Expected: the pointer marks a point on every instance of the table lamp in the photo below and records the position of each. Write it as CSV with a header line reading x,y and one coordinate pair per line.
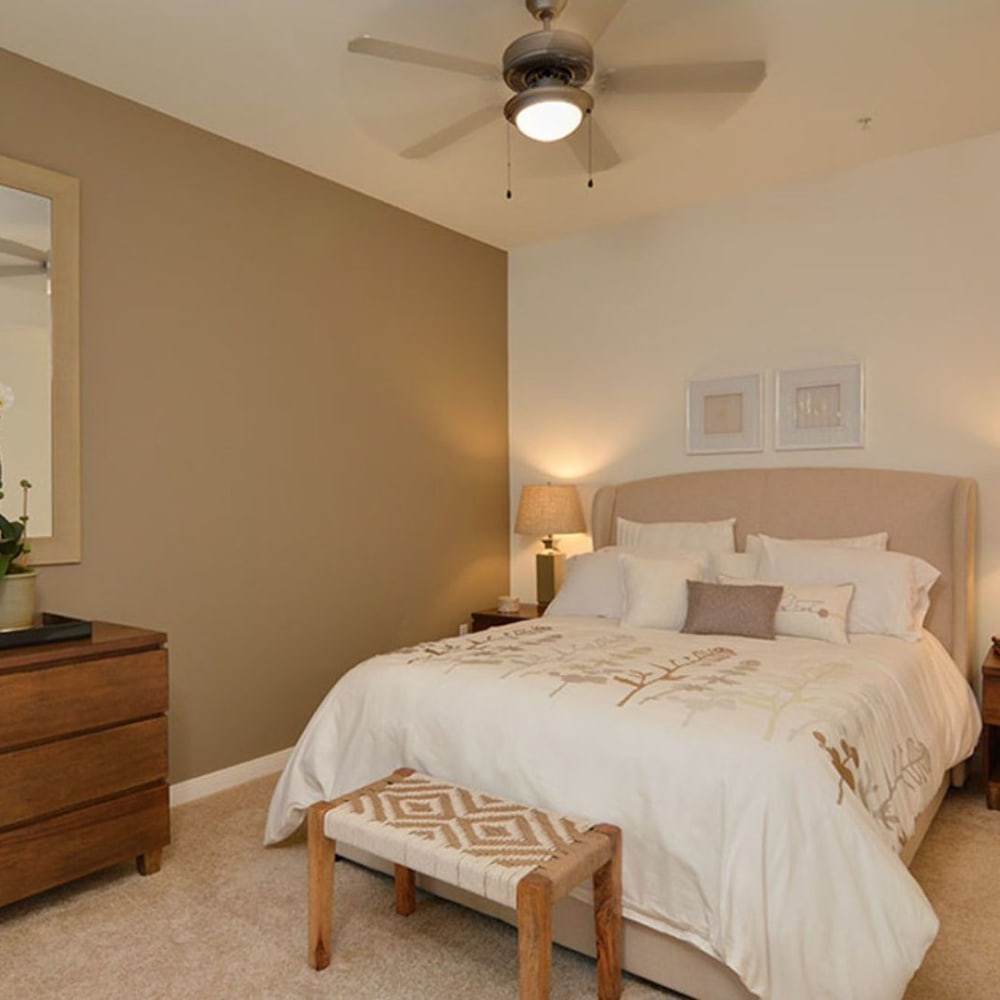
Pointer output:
x,y
546,511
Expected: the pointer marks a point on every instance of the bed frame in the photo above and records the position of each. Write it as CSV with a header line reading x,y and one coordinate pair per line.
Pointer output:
x,y
927,515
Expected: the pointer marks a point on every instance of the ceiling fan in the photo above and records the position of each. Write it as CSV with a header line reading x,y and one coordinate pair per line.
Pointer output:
x,y
552,75
11,248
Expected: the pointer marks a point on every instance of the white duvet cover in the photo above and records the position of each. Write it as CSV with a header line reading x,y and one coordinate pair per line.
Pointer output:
x,y
764,788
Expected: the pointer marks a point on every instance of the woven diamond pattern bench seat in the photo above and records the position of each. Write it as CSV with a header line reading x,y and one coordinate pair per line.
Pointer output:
x,y
516,855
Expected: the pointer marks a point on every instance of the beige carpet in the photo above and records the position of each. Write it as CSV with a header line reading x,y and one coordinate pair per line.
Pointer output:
x,y
958,866
226,918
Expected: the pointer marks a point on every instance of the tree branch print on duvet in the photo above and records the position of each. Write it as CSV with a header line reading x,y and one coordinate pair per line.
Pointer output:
x,y
773,696
493,647
531,650
606,658
614,668
674,671
910,768
705,680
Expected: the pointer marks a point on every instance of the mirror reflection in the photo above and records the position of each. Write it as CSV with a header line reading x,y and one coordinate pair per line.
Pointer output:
x,y
26,355
40,355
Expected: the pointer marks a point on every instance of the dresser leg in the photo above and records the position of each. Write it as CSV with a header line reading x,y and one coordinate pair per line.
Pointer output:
x,y
149,863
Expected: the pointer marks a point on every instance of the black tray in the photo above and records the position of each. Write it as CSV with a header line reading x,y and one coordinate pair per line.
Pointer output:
x,y
46,628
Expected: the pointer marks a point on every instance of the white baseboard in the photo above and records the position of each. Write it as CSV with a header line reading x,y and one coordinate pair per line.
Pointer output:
x,y
228,777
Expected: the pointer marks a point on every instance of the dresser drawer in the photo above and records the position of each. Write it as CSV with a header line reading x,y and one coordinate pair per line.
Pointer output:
x,y
47,779
44,854
38,705
991,700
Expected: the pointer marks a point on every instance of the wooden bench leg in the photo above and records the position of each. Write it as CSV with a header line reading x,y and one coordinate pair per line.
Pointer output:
x,y
322,854
406,890
534,936
608,918
149,863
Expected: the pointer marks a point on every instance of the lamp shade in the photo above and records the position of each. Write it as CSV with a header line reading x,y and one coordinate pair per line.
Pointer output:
x,y
549,510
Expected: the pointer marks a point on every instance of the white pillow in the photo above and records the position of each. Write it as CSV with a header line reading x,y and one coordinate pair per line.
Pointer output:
x,y
656,589
664,536
810,611
891,589
878,540
741,564
592,586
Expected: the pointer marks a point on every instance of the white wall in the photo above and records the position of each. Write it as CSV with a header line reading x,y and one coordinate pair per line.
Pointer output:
x,y
896,264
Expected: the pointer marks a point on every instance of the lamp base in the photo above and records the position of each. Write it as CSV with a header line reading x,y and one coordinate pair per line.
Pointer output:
x,y
550,566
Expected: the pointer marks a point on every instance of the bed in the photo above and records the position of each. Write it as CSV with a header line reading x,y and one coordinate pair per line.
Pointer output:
x,y
765,846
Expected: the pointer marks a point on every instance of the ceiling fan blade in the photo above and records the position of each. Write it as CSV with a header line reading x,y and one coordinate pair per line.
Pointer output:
x,y
691,78
16,270
452,133
367,46
593,17
14,249
602,155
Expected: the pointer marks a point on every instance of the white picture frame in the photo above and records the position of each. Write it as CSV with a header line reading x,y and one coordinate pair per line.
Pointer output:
x,y
820,408
725,415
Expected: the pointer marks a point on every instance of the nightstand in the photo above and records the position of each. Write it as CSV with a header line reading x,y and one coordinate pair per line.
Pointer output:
x,y
991,728
487,619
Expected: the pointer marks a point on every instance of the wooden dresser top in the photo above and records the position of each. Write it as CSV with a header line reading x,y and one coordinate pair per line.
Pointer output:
x,y
107,639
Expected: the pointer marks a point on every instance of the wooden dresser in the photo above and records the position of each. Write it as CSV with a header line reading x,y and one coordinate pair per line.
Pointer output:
x,y
83,757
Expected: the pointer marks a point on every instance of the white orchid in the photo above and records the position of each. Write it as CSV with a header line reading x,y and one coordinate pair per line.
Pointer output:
x,y
6,397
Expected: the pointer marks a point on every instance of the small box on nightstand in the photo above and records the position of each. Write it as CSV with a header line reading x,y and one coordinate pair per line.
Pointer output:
x,y
489,618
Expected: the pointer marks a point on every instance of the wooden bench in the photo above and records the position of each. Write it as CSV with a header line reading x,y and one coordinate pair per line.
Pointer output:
x,y
515,855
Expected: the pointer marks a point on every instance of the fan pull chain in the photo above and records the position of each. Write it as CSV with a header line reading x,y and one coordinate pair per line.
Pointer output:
x,y
590,150
510,193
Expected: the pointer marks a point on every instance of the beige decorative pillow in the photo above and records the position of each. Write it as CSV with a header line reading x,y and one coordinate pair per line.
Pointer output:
x,y
725,609
807,610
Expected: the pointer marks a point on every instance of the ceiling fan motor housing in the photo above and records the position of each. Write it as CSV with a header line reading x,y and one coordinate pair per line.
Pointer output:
x,y
545,10
548,57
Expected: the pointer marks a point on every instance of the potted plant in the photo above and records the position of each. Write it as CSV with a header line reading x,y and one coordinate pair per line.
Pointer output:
x,y
17,579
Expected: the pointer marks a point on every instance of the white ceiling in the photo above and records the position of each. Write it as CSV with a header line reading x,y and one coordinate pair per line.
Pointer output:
x,y
276,76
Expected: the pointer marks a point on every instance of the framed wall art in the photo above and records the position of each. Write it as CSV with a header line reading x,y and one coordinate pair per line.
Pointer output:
x,y
820,408
725,415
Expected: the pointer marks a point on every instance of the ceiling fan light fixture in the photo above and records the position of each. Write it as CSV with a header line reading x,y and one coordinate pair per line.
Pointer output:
x,y
550,113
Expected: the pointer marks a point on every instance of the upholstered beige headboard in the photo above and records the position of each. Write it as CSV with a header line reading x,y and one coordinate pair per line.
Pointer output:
x,y
928,515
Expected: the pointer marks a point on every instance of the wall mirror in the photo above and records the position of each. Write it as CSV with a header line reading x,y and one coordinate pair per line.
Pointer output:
x,y
40,355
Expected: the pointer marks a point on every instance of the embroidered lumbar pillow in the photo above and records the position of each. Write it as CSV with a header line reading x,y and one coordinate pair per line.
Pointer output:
x,y
809,611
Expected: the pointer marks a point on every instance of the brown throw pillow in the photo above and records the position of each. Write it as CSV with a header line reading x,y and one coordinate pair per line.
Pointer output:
x,y
727,609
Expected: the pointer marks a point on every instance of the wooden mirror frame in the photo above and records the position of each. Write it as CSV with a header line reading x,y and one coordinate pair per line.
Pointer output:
x,y
65,542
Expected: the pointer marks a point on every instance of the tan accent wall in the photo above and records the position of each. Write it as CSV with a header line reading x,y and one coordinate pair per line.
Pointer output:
x,y
294,414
